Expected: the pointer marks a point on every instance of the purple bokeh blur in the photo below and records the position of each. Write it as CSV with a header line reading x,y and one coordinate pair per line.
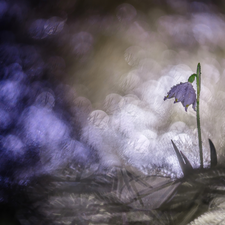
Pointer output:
x,y
97,72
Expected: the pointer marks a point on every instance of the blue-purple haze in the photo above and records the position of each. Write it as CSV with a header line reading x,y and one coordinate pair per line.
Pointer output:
x,y
85,88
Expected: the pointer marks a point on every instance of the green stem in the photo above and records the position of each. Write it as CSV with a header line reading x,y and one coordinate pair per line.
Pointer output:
x,y
198,114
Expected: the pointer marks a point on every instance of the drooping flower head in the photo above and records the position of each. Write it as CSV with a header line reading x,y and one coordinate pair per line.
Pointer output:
x,y
184,93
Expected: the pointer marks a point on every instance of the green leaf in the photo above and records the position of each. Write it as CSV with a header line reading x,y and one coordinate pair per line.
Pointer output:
x,y
192,78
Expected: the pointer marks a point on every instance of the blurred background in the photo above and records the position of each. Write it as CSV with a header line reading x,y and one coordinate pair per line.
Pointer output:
x,y
83,82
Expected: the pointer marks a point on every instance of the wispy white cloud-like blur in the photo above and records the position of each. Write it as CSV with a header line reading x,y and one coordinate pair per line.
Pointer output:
x,y
140,66
89,88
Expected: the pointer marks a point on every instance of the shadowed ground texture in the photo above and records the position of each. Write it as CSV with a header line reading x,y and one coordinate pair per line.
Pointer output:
x,y
85,134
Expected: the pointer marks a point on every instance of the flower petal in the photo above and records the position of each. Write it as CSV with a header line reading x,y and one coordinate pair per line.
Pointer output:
x,y
184,93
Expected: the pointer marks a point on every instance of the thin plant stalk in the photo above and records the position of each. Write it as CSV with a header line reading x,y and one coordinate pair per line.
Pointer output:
x,y
198,79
